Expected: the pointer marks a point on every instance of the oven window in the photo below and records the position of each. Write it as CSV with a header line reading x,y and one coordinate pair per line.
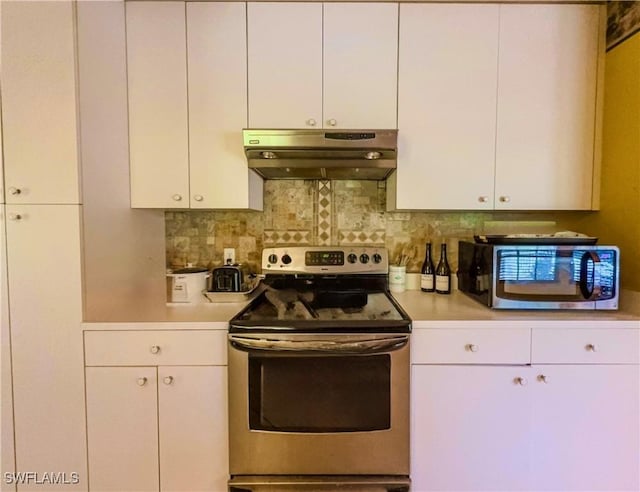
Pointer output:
x,y
320,394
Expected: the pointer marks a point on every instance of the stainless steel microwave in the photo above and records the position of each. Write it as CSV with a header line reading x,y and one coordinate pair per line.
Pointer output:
x,y
540,276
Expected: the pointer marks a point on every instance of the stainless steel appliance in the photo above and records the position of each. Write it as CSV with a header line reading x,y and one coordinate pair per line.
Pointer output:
x,y
229,278
526,273
319,376
321,154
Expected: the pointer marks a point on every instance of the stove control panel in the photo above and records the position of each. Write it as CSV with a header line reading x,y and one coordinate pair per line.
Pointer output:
x,y
325,259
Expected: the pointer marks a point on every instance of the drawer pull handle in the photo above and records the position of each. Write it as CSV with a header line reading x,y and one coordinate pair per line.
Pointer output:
x,y
14,191
591,347
543,378
521,381
142,381
168,380
14,216
471,347
155,349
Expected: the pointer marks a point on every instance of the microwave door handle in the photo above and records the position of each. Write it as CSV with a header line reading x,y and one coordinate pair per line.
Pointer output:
x,y
370,346
592,293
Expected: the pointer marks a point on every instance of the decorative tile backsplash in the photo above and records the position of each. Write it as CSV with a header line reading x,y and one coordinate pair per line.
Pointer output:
x,y
310,212
623,21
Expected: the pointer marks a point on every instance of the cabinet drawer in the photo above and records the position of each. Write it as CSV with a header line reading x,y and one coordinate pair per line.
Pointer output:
x,y
471,346
133,348
589,346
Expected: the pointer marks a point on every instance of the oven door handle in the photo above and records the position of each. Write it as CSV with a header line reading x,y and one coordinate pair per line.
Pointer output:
x,y
366,346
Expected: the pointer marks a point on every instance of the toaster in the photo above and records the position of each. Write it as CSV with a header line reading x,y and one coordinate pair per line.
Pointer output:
x,y
228,278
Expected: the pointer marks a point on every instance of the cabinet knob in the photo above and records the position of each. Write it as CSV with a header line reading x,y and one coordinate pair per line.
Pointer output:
x,y
521,381
14,191
471,347
198,198
311,122
505,199
155,349
543,378
168,380
14,216
177,197
332,122
591,347
142,381
483,199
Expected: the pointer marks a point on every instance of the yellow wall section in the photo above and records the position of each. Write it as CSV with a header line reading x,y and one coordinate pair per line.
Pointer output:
x,y
618,221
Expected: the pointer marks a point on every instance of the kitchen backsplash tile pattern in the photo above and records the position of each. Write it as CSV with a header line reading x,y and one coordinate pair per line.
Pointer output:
x,y
623,21
309,212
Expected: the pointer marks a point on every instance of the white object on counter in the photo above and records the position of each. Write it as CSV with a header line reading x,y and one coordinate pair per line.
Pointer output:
x,y
413,281
397,278
188,287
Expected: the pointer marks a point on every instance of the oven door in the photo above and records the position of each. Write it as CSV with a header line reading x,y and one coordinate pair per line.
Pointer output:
x,y
319,404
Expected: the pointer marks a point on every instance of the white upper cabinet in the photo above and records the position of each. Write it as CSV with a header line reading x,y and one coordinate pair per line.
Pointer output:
x,y
217,75
497,107
158,127
39,108
446,106
187,74
360,60
331,65
285,65
546,106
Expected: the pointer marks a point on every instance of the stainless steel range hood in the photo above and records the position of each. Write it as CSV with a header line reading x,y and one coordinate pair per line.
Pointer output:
x,y
321,154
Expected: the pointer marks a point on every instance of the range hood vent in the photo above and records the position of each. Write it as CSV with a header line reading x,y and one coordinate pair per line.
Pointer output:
x,y
321,154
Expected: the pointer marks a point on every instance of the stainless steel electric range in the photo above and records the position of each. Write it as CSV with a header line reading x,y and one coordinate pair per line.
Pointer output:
x,y
319,376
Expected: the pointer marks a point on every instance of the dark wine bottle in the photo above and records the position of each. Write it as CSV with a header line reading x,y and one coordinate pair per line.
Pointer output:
x,y
427,277
443,272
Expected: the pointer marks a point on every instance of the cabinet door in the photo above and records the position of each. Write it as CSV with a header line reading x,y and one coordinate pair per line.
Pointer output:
x,y
45,307
122,424
157,78
446,138
469,428
6,409
217,61
193,428
546,106
285,65
586,430
360,65
39,109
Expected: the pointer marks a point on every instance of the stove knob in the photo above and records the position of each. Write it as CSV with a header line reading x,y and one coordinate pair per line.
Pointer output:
x,y
377,258
352,258
286,259
364,258
273,259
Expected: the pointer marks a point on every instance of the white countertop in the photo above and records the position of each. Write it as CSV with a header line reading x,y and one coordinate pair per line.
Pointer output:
x,y
430,310
427,310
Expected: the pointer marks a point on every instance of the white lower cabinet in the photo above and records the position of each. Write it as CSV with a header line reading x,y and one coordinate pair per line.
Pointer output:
x,y
156,428
585,428
559,423
122,420
467,428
